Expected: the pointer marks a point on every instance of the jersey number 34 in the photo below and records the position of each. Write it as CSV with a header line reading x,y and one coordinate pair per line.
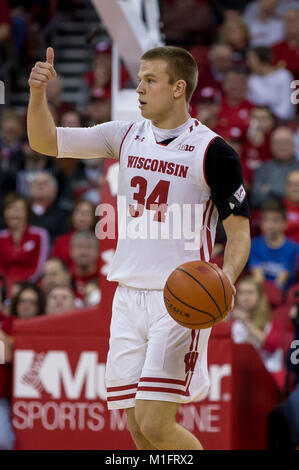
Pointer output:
x,y
156,201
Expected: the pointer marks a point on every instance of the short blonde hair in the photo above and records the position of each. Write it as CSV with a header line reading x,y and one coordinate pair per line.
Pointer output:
x,y
181,65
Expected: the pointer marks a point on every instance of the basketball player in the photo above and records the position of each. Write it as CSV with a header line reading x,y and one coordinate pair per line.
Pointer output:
x,y
166,159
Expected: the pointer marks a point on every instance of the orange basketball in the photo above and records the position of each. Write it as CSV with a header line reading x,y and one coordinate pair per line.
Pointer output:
x,y
198,295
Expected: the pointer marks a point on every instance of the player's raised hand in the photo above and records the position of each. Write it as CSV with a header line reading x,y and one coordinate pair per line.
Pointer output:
x,y
42,72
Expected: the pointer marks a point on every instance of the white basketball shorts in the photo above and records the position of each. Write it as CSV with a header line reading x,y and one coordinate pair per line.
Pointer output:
x,y
151,357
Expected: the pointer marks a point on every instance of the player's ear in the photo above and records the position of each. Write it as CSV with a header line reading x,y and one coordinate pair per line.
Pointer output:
x,y
179,88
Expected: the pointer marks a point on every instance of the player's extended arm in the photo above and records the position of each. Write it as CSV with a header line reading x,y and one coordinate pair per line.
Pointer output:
x,y
41,128
237,247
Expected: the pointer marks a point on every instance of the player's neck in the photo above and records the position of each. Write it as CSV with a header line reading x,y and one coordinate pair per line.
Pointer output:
x,y
171,121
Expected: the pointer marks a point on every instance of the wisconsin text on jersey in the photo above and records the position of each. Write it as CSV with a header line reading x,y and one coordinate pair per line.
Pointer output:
x,y
160,166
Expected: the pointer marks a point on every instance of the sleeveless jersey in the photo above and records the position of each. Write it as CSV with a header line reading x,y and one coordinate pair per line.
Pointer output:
x,y
165,213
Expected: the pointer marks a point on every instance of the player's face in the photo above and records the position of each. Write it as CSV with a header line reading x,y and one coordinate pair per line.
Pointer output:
x,y
156,94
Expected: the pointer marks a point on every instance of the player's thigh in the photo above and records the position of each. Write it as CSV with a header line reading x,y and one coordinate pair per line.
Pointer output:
x,y
155,413
127,344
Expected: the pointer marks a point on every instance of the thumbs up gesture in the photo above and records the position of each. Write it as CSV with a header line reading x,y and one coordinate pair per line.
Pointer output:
x,y
42,72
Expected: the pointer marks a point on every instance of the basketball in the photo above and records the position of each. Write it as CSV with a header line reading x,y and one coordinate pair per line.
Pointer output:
x,y
198,295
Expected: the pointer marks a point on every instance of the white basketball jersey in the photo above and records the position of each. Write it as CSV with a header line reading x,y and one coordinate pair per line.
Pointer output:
x,y
165,213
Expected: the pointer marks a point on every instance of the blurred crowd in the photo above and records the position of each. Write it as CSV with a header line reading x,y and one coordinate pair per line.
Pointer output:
x,y
248,92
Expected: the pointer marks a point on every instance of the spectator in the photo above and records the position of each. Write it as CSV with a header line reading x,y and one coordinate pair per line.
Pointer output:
x,y
4,314
251,323
208,107
29,302
270,179
7,438
5,34
70,118
87,182
34,162
92,294
235,108
273,256
250,314
68,166
98,111
234,32
256,147
12,130
291,408
82,220
265,27
268,86
85,259
6,431
60,299
54,97
99,79
46,210
185,23
221,61
55,273
24,248
291,203
286,53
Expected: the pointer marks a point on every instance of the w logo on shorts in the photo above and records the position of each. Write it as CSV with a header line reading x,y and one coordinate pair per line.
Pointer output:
x,y
190,361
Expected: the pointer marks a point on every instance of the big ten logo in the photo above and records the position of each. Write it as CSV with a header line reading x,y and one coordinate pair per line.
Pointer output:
x,y
50,375
2,92
295,94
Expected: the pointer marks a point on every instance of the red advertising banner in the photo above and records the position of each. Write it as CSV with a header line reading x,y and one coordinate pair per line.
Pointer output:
x,y
59,396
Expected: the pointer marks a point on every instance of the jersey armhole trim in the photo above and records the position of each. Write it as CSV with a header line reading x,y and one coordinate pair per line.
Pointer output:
x,y
120,147
204,159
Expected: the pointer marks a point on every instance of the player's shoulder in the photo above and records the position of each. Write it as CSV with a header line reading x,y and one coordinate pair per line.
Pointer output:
x,y
201,132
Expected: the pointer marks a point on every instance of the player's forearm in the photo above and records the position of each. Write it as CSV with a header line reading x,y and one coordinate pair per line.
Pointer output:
x,y
41,128
236,252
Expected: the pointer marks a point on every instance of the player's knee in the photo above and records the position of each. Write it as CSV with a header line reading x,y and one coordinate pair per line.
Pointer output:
x,y
133,426
152,428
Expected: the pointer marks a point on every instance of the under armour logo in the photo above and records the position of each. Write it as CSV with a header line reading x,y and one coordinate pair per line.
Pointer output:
x,y
139,138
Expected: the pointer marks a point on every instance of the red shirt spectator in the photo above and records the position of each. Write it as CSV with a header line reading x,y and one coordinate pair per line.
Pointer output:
x,y
286,53
221,61
234,115
85,260
23,248
82,219
256,145
99,79
235,108
80,282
